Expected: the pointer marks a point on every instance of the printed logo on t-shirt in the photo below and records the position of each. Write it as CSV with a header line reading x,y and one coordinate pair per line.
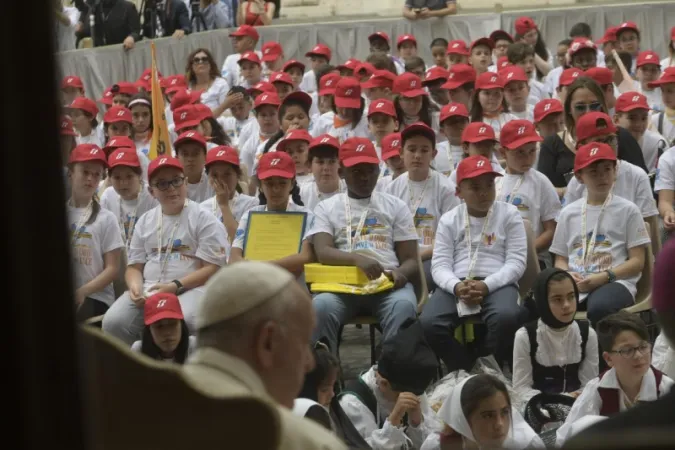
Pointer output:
x,y
371,236
489,240
424,225
176,250
598,261
81,251
518,202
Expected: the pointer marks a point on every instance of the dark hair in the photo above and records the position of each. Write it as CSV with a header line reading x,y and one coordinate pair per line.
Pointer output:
x,y
382,61
621,31
295,194
625,58
326,363
282,111
92,119
476,113
240,90
614,324
424,115
439,42
214,72
581,30
540,49
323,151
565,42
579,83
218,135
518,51
142,96
413,63
150,349
237,170
358,114
323,70
479,388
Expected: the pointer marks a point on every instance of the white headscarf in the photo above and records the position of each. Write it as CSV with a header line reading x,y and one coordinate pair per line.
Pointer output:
x,y
520,435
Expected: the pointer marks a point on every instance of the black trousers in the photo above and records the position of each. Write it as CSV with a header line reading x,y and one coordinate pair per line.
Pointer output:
x,y
90,308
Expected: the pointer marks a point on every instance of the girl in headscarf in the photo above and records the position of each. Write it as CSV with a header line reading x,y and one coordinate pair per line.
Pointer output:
x,y
555,354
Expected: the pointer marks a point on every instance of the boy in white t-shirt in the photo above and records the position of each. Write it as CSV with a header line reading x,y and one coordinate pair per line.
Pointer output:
x,y
522,55
601,237
516,92
479,255
649,70
478,139
453,120
266,110
382,121
323,158
319,56
373,231
548,117
190,149
664,186
664,122
391,156
176,247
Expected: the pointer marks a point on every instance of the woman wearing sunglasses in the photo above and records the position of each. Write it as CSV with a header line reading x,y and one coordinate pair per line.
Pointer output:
x,y
556,157
203,75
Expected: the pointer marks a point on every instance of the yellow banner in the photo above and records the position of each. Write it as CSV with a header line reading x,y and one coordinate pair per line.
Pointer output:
x,y
160,144
272,235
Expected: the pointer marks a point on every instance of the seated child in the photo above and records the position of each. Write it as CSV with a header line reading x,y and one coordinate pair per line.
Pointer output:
x,y
630,380
522,55
488,104
190,149
663,355
434,80
648,71
412,102
453,120
387,404
457,52
266,107
605,256
323,159
296,144
664,185
480,54
664,122
461,83
382,121
548,117
479,255
166,336
478,139
516,91
348,107
379,86
393,163
83,112
555,354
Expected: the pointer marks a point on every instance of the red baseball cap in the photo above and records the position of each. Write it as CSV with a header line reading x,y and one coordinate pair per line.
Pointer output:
x,y
162,162
667,76
67,127
513,73
502,63
435,74
417,129
300,97
173,83
408,85
87,153
609,36
391,146
546,107
185,117
501,35
107,97
593,124
601,75
358,150
224,154
524,24
144,80
185,97
85,104
117,114
580,44
246,30
629,101
453,110
250,57
125,88
382,106
203,111
261,87
276,164
627,26
478,132
366,67
648,57
590,153
569,76
281,77
457,47
72,81
380,35
267,98
482,41
118,142
329,83
350,64
405,38
517,133
459,75
320,50
294,135
380,79
293,63
474,166
161,306
325,140
190,136
124,156
271,51
489,80
348,93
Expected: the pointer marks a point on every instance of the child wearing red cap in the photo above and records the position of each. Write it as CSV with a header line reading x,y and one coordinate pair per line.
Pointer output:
x,y
434,80
190,148
83,112
461,84
453,120
406,45
272,58
393,163
266,111
296,144
628,39
479,255
319,56
95,237
457,53
276,172
517,92
117,121
141,125
370,230
480,54
528,33
524,187
439,47
322,99
379,85
380,43
523,56
165,336
234,124
122,92
501,40
605,256
71,88
427,192
664,186
323,158
488,104
382,121
548,118
244,39
347,117
250,69
176,247
648,71
412,102
664,122
479,139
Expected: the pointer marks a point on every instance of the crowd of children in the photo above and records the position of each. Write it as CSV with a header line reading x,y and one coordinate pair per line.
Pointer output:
x,y
420,177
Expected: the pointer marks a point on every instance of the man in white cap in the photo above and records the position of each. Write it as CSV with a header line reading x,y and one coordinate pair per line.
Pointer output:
x,y
253,339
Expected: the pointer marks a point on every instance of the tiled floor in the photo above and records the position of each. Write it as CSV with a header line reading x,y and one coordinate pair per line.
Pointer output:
x,y
355,350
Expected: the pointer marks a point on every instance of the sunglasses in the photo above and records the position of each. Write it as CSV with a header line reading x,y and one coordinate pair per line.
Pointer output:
x,y
200,60
166,184
586,107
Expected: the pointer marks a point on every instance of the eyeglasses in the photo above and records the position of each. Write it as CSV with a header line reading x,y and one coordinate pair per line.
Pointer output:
x,y
629,352
582,108
164,185
200,60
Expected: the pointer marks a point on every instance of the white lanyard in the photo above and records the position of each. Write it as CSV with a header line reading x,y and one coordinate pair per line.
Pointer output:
x,y
80,223
467,233
169,245
348,219
416,204
588,247
126,236
451,160
512,194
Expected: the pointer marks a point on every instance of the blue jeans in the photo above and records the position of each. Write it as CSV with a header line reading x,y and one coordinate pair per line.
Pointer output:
x,y
391,308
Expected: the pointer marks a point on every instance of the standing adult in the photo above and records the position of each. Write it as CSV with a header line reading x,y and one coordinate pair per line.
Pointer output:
x,y
115,22
67,23
172,19
426,9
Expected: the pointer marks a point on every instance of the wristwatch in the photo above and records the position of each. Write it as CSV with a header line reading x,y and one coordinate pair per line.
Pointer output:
x,y
611,276
179,287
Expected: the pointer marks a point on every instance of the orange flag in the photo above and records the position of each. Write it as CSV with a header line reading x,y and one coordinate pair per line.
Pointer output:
x,y
160,144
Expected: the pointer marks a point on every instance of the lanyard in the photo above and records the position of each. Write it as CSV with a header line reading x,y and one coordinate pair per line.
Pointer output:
x,y
348,218
80,223
169,245
415,204
588,247
126,236
512,194
467,233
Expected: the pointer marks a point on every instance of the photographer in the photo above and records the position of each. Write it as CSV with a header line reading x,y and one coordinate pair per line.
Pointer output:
x,y
216,15
115,22
162,18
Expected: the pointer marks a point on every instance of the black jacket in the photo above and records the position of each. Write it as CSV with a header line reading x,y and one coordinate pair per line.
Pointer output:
x,y
114,21
174,17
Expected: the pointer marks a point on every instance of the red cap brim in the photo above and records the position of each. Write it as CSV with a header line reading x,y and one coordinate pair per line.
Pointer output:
x,y
522,141
275,173
354,160
414,93
453,84
347,102
188,124
164,315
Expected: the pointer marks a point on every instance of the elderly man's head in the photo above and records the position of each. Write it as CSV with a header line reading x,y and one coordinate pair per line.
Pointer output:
x,y
258,312
663,289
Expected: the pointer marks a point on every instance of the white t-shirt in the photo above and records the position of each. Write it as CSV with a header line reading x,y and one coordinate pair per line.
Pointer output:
x,y
667,62
665,174
430,199
89,245
325,125
621,228
127,212
322,124
502,250
248,152
249,130
654,99
668,130
201,191
93,138
230,71
537,93
233,127
238,205
308,83
215,95
651,144
447,157
494,162
383,182
498,122
552,80
632,183
310,195
388,220
192,235
528,114
242,229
